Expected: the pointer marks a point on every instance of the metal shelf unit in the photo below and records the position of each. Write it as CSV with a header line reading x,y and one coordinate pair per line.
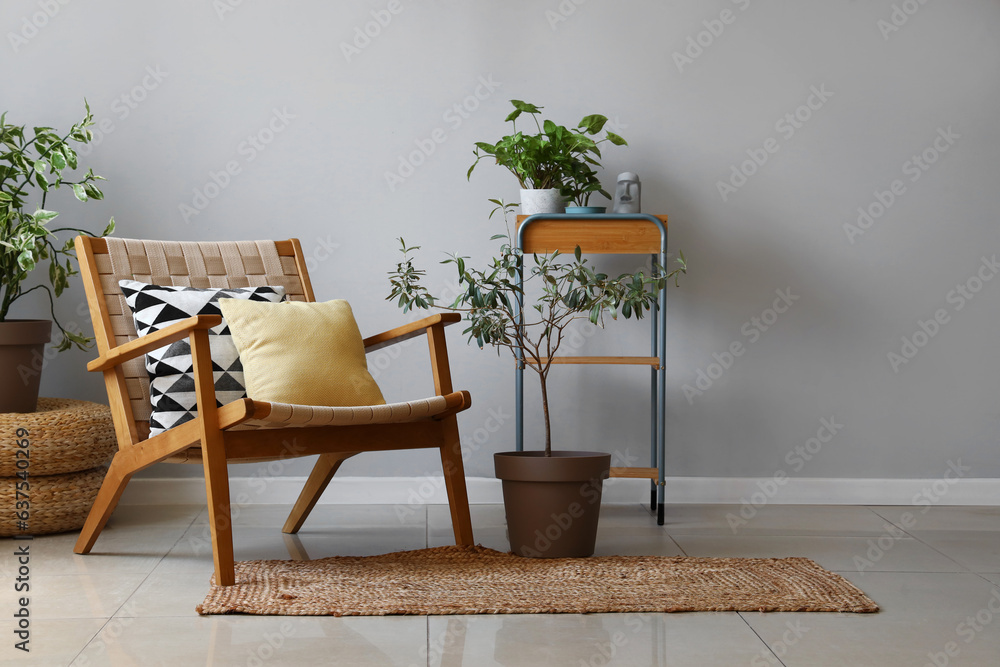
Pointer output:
x,y
608,234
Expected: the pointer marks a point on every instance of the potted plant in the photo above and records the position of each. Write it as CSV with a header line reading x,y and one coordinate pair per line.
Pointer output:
x,y
552,164
33,163
579,182
543,490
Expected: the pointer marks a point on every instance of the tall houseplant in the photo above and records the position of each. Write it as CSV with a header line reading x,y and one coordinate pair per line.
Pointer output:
x,y
556,291
556,158
32,165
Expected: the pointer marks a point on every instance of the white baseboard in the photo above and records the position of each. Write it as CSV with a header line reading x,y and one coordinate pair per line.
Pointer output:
x,y
679,490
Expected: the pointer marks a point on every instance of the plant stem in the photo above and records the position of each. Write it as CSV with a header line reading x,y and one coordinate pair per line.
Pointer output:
x,y
545,412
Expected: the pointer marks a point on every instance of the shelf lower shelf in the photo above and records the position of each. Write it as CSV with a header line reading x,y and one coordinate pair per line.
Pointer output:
x,y
610,361
636,473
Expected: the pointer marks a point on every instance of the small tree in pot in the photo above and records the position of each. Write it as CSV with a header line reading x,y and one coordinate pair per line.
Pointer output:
x,y
566,289
29,164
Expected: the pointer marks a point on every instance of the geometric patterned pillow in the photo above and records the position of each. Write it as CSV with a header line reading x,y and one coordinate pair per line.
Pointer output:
x,y
171,368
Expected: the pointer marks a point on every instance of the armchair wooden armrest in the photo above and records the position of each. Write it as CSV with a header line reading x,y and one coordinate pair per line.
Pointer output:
x,y
411,330
132,349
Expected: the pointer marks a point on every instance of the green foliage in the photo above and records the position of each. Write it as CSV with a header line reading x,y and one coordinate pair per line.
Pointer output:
x,y
565,289
30,164
554,157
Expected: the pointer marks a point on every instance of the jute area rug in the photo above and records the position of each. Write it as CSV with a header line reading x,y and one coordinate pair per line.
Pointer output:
x,y
476,580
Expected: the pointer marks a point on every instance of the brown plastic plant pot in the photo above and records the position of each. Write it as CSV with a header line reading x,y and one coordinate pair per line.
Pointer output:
x,y
552,503
22,345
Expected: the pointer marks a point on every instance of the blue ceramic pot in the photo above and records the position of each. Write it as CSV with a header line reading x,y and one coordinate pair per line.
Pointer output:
x,y
586,210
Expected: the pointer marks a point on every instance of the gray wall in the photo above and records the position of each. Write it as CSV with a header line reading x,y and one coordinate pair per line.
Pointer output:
x,y
886,95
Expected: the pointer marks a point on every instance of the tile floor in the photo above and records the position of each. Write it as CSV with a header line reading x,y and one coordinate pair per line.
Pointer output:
x,y
936,576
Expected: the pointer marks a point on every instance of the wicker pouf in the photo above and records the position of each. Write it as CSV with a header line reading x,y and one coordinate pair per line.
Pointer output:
x,y
58,502
67,444
64,435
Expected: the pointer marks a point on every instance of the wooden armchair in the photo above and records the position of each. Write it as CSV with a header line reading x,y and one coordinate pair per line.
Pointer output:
x,y
246,430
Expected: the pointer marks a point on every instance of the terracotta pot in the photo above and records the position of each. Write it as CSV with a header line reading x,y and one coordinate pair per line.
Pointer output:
x,y
552,503
22,347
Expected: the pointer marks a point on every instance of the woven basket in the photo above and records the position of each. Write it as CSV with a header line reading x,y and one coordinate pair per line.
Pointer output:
x,y
64,435
57,502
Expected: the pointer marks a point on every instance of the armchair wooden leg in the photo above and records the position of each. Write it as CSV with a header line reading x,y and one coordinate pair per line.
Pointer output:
x,y
213,456
324,470
454,480
220,517
110,492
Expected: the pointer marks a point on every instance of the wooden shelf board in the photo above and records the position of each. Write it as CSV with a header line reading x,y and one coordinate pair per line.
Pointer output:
x,y
636,473
608,361
593,236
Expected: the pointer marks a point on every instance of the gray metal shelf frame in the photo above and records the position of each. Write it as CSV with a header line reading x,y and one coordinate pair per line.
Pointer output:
x,y
608,234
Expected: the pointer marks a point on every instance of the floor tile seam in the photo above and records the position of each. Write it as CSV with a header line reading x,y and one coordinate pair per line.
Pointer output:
x,y
866,572
965,568
796,535
757,634
148,574
427,640
90,641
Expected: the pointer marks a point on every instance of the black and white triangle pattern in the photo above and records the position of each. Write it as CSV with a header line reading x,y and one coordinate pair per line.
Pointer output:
x,y
171,368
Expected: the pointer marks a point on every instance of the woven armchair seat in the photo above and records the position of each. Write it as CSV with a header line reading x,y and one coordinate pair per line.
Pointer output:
x,y
285,415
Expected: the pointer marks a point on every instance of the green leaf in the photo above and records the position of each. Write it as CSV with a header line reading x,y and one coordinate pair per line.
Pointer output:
x,y
616,140
110,229
58,160
26,260
93,191
41,166
526,107
593,123
578,253
42,216
80,192
70,156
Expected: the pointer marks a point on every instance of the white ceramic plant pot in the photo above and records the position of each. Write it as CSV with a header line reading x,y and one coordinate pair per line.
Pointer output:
x,y
542,201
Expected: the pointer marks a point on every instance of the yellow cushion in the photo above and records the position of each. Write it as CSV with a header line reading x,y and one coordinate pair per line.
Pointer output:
x,y
303,353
